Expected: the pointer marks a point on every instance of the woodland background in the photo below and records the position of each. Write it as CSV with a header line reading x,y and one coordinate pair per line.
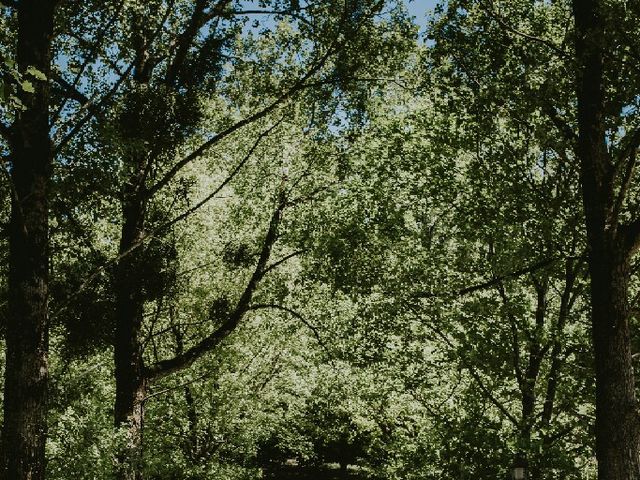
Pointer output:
x,y
236,233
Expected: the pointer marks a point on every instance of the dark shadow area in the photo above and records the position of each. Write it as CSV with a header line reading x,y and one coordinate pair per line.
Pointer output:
x,y
295,472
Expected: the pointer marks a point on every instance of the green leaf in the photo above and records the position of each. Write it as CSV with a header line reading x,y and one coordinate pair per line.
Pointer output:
x,y
37,74
27,86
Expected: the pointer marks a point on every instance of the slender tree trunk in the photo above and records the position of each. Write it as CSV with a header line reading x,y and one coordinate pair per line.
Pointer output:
x,y
129,367
617,426
536,471
191,444
566,303
536,352
131,384
26,375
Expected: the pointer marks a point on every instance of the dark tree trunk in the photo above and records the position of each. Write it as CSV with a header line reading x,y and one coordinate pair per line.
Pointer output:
x,y
129,366
617,434
530,379
132,377
191,445
25,394
557,361
610,248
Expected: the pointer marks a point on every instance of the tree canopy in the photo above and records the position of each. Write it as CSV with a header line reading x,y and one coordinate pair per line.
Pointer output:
x,y
319,239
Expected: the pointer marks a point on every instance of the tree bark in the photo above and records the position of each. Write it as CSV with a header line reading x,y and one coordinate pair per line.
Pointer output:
x,y
26,375
617,433
528,382
617,427
128,356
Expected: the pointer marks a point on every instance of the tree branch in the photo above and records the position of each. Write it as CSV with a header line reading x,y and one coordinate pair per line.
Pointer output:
x,y
5,132
631,147
562,126
185,39
93,53
293,313
489,283
166,367
474,374
70,90
624,187
224,183
282,260
288,13
298,86
504,24
515,344
154,233
571,272
93,108
631,233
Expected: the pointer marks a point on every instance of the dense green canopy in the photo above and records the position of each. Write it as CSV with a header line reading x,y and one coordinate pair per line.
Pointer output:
x,y
286,239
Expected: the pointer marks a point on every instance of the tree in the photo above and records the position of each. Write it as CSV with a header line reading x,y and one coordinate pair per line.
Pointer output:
x,y
152,117
462,233
570,67
297,234
607,167
30,160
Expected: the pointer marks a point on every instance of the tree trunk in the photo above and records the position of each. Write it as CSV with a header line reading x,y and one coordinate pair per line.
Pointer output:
x,y
617,433
617,427
129,367
537,353
557,361
191,444
26,375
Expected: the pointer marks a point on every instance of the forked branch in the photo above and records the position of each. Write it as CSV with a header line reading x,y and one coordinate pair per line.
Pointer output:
x,y
189,356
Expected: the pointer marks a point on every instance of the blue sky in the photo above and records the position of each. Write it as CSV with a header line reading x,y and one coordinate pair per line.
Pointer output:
x,y
417,8
420,8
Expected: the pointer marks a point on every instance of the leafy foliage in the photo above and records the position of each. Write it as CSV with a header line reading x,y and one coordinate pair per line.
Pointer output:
x,y
420,311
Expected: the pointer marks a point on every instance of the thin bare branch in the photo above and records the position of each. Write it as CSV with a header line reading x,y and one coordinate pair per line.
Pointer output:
x,y
284,13
224,183
95,105
515,343
489,283
93,108
293,313
93,53
282,260
474,374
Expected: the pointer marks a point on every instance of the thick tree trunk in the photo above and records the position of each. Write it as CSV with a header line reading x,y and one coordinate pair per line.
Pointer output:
x,y
617,427
25,394
129,367
617,433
